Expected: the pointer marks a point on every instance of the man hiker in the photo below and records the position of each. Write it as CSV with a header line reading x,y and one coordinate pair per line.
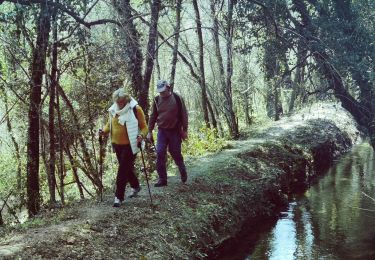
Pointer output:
x,y
170,114
126,127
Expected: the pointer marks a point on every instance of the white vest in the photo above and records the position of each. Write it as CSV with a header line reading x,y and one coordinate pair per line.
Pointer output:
x,y
128,119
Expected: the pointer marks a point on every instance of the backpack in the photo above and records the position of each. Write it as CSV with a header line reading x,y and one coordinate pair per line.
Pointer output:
x,y
135,112
179,106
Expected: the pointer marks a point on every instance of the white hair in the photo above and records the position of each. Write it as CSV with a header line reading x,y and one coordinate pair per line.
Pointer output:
x,y
119,93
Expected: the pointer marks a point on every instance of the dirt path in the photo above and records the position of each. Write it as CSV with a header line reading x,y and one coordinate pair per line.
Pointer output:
x,y
189,220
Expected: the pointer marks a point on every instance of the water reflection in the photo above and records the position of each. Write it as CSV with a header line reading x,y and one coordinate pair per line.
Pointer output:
x,y
334,219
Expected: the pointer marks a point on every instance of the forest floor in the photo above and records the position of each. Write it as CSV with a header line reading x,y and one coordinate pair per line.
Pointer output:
x,y
244,183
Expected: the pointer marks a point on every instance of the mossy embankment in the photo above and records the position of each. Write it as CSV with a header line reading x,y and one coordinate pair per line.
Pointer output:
x,y
242,185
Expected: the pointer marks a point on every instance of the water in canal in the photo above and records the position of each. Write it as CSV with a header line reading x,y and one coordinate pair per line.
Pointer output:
x,y
334,219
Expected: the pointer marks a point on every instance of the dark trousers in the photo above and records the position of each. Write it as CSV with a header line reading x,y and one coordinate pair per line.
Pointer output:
x,y
126,172
171,139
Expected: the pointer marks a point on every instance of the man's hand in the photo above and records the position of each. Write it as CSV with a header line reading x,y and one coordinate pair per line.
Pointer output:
x,y
150,137
184,135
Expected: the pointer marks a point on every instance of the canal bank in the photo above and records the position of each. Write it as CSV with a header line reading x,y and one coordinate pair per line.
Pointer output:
x,y
241,187
300,154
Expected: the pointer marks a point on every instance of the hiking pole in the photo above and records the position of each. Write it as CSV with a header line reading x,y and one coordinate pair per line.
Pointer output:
x,y
144,169
101,168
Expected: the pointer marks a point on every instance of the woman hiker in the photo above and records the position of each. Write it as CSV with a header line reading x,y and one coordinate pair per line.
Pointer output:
x,y
126,127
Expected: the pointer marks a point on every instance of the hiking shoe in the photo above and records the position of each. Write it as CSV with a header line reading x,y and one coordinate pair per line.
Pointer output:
x,y
183,177
161,184
135,192
117,203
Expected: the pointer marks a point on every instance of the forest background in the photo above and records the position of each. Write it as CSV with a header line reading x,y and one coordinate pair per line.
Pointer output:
x,y
235,62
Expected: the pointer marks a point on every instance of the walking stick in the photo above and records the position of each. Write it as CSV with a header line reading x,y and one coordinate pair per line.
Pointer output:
x,y
144,169
101,167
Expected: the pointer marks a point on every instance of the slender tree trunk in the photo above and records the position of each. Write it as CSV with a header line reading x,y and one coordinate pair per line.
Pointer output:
x,y
232,117
150,55
212,114
226,83
43,152
37,71
61,151
247,109
157,65
246,96
202,78
15,144
86,154
176,41
87,66
276,91
272,71
75,172
132,49
215,33
298,77
52,147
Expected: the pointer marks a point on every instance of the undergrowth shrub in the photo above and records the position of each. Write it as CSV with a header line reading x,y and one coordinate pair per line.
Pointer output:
x,y
203,140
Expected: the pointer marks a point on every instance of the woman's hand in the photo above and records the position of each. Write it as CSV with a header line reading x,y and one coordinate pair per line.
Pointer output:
x,y
102,133
139,141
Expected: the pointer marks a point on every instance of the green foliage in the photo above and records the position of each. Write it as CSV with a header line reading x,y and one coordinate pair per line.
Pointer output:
x,y
202,141
8,177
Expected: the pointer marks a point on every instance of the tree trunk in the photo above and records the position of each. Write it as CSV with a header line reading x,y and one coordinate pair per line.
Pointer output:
x,y
202,79
212,114
86,154
132,49
75,172
37,71
228,93
61,151
246,96
272,77
150,56
157,65
298,77
226,83
176,41
52,147
276,91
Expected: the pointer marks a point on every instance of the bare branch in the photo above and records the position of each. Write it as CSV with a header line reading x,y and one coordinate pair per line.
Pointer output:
x,y
183,58
267,11
368,196
184,30
14,92
66,10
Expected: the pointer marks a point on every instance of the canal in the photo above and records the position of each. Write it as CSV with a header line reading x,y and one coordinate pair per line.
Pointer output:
x,y
333,219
